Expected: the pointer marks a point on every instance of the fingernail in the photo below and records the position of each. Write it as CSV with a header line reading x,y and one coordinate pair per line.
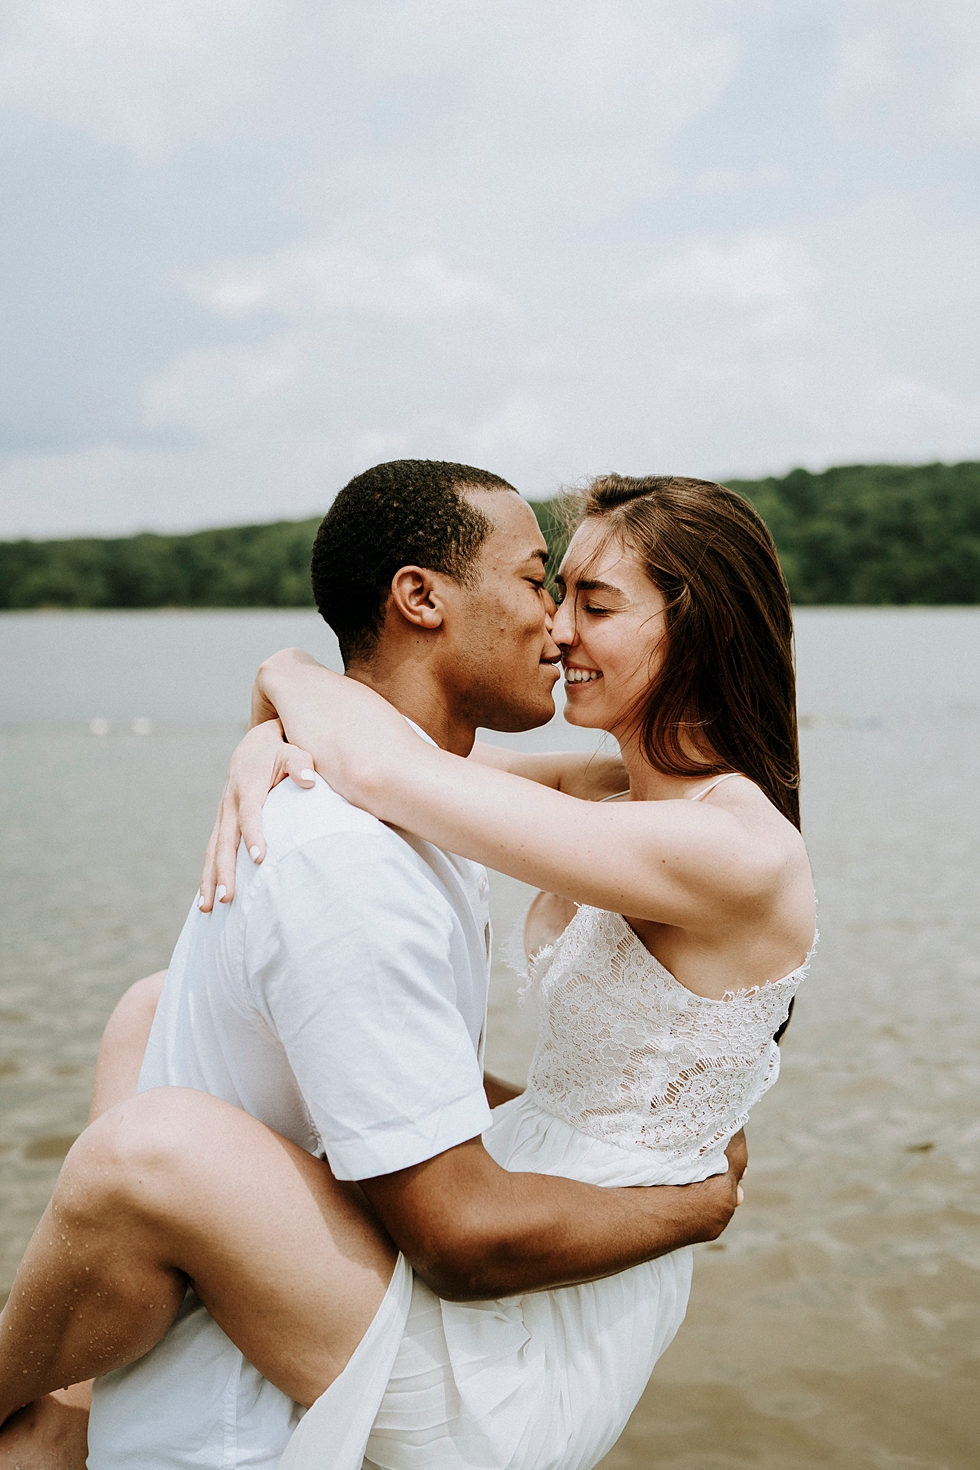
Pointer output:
x,y
200,900
220,892
307,775
253,853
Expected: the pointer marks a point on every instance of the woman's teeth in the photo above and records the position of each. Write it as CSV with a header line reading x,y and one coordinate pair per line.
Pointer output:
x,y
581,676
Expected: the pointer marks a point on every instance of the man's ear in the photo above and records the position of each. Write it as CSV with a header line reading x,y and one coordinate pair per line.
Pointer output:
x,y
417,594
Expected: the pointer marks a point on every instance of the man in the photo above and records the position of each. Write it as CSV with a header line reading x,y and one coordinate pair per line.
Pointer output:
x,y
341,999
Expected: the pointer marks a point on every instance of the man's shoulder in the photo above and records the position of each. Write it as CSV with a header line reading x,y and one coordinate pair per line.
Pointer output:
x,y
293,817
315,836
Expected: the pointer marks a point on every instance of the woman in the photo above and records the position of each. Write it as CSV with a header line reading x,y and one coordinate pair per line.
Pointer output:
x,y
672,931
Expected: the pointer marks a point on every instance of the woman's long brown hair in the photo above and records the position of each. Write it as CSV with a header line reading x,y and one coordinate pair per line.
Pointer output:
x,y
724,697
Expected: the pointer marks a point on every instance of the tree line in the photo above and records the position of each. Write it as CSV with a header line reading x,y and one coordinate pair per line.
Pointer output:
x,y
860,534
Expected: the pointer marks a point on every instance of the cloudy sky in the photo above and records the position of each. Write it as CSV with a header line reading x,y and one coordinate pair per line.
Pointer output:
x,y
252,246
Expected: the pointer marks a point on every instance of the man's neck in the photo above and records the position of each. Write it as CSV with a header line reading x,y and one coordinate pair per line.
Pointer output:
x,y
411,688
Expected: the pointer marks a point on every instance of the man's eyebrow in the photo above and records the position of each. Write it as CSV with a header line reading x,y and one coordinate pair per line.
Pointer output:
x,y
538,555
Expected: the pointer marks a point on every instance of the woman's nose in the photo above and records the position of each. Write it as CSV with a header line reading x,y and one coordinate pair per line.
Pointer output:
x,y
563,628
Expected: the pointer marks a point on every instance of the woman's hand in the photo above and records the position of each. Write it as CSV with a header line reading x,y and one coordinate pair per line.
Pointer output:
x,y
357,735
258,764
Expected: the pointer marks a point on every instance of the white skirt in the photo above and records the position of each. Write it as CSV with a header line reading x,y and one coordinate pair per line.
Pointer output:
x,y
544,1381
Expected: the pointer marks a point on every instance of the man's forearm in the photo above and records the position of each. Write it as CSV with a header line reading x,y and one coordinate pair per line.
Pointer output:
x,y
473,1233
498,1091
566,1235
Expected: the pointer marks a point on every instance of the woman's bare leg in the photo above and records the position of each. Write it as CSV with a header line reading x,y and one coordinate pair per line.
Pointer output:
x,y
176,1186
51,1433
123,1045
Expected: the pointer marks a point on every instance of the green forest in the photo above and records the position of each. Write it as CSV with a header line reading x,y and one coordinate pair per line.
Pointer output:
x,y
861,534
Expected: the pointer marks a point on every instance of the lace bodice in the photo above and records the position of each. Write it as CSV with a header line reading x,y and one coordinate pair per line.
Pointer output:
x,y
627,1054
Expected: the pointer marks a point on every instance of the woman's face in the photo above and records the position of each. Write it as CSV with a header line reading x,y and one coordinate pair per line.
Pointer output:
x,y
610,628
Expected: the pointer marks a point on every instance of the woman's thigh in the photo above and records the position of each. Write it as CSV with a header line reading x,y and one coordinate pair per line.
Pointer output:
x,y
291,1263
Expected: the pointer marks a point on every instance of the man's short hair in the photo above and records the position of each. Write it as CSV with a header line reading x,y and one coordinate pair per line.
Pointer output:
x,y
409,512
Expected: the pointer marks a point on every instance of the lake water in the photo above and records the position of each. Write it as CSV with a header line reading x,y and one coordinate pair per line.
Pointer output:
x,y
838,1322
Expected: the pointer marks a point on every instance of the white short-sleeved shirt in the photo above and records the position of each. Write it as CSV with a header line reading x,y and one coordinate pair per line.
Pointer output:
x,y
341,999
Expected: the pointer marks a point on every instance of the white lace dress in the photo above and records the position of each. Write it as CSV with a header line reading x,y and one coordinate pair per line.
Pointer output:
x,y
635,1080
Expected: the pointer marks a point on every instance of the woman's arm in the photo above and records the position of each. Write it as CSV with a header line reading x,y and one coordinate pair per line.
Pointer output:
x,y
674,862
589,777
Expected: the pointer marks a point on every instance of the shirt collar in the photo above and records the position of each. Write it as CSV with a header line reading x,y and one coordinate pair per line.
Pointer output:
x,y
419,731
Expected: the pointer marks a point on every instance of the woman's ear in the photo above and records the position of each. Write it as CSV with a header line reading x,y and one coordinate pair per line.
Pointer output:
x,y
416,593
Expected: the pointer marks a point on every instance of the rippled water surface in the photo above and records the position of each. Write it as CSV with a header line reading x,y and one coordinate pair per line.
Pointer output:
x,y
838,1322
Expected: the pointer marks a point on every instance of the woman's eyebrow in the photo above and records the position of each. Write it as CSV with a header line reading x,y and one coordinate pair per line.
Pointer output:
x,y
585,585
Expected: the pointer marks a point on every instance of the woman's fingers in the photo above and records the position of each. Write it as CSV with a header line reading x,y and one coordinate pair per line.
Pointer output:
x,y
259,763
299,765
205,900
226,851
250,817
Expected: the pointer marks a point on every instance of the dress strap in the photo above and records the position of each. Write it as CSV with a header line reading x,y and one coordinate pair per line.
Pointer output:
x,y
696,797
712,784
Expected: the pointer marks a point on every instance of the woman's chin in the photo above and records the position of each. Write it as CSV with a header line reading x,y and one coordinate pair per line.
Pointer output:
x,y
575,715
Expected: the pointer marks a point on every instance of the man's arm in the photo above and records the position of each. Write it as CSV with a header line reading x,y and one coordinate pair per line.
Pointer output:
x,y
498,1091
474,1231
350,958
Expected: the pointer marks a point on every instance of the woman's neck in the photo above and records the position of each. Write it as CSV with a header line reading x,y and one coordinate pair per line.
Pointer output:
x,y
649,784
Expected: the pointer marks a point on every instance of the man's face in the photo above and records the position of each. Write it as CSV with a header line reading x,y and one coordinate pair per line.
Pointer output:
x,y
502,662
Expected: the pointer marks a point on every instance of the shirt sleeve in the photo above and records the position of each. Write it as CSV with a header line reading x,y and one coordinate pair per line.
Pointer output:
x,y
348,954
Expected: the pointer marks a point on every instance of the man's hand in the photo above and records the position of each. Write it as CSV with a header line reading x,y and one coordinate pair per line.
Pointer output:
x,y
737,1154
704,1209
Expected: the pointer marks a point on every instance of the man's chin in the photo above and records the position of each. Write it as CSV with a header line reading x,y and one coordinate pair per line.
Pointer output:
x,y
527,717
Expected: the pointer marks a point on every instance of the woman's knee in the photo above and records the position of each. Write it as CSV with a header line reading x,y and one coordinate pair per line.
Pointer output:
x,y
135,1155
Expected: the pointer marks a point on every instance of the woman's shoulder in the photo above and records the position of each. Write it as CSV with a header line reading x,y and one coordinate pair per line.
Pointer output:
x,y
760,858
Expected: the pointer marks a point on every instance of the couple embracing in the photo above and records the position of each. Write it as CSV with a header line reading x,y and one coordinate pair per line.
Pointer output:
x,y
303,1227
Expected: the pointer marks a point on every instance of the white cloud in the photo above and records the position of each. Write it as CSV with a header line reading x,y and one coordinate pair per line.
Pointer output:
x,y
155,78
552,236
208,390
908,71
303,281
717,358
103,490
738,335
147,77
758,286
